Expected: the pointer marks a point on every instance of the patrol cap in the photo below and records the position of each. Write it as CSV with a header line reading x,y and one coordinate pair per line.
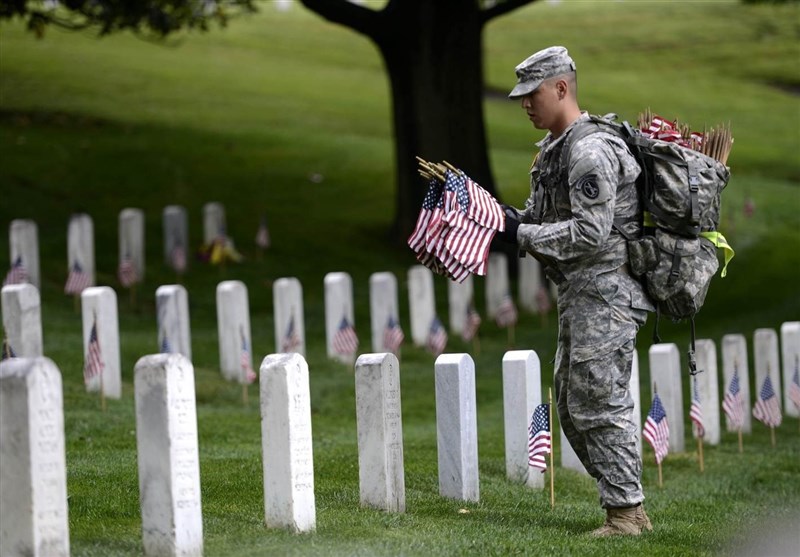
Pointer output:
x,y
537,67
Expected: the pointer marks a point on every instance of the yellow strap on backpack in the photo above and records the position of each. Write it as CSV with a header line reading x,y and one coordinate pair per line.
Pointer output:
x,y
719,241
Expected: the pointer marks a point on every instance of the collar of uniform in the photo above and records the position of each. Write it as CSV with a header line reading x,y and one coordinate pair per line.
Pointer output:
x,y
548,142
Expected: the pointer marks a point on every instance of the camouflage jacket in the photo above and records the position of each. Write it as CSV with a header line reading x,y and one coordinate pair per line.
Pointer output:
x,y
579,204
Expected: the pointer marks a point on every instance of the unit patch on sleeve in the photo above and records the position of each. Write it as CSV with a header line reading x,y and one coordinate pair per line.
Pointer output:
x,y
587,184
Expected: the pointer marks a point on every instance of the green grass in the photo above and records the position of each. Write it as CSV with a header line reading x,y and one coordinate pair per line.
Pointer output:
x,y
244,116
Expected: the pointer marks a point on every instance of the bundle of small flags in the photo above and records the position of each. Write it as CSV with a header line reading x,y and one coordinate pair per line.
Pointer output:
x,y
715,142
456,224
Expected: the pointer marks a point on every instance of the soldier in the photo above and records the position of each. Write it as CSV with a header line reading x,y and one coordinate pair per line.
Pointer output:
x,y
573,222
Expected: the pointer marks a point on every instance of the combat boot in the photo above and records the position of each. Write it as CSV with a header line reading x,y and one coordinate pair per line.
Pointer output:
x,y
629,521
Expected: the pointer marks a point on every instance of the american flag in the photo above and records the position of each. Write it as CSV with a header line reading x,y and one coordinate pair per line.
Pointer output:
x,y
291,339
77,280
455,226
166,347
437,337
345,341
656,429
696,411
8,352
392,335
539,437
94,358
506,313
247,367
126,273
18,274
794,386
262,236
543,303
767,409
471,325
732,403
177,258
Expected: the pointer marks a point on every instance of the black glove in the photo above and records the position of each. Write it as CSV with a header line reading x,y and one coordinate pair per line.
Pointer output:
x,y
509,235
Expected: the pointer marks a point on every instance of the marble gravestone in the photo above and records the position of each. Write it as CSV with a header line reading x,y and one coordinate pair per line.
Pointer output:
x,y
214,225
290,329
497,286
665,378
80,245
131,239
287,452
233,328
530,283
790,355
168,456
33,470
99,308
459,297
457,427
338,307
383,307
174,332
767,362
380,432
23,243
421,303
707,385
22,319
734,362
522,392
176,237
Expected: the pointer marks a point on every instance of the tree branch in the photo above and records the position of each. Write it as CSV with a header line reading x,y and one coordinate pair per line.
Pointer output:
x,y
346,13
502,8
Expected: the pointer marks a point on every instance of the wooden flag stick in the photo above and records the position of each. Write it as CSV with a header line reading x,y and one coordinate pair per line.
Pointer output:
x,y
133,295
511,336
245,400
552,449
660,477
77,302
772,435
700,453
476,344
741,448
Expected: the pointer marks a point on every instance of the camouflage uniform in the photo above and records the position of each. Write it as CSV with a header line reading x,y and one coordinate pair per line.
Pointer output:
x,y
601,306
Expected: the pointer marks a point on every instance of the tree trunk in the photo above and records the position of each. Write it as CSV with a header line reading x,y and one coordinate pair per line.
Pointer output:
x,y
433,59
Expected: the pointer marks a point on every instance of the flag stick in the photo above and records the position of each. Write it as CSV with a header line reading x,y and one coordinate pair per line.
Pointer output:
x,y
133,295
476,344
741,449
245,400
660,477
700,453
76,297
510,336
552,449
772,434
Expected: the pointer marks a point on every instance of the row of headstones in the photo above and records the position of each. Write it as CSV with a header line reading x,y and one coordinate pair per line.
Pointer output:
x,y
22,316
24,239
33,501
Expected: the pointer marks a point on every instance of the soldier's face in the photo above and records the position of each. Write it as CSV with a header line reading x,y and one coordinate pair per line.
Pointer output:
x,y
541,106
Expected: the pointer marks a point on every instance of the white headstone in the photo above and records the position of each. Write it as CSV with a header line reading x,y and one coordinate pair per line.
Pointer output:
x,y
380,432
131,239
734,360
569,458
172,307
283,5
459,297
290,328
767,361
421,303
286,443
383,307
338,309
522,392
457,427
169,462
790,352
707,385
33,470
99,306
637,398
497,286
214,224
233,326
176,237
665,378
80,245
530,283
22,319
23,240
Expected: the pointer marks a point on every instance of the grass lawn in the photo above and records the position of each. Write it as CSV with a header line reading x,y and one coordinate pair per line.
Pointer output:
x,y
247,116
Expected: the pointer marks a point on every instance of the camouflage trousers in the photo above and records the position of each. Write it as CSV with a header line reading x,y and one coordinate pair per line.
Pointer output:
x,y
596,341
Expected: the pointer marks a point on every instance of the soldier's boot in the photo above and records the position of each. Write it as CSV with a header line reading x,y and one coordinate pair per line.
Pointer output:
x,y
630,521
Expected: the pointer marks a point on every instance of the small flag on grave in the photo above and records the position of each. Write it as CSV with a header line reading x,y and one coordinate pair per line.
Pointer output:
x,y
345,340
471,325
77,280
767,409
262,235
18,274
126,272
291,339
539,438
506,313
392,335
437,337
732,403
247,368
656,429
